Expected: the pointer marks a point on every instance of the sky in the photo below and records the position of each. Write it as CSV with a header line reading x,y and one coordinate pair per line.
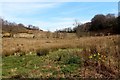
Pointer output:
x,y
54,15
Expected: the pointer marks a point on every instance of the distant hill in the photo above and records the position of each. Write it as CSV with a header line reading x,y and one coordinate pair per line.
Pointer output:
x,y
13,29
8,27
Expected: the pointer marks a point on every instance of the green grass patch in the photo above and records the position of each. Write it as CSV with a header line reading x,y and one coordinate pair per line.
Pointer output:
x,y
54,64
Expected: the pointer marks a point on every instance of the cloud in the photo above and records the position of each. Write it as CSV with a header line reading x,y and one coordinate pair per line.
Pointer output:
x,y
0,9
26,8
59,0
58,23
24,12
63,18
52,26
77,9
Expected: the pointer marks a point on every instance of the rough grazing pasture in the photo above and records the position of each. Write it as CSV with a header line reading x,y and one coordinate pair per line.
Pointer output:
x,y
86,57
14,45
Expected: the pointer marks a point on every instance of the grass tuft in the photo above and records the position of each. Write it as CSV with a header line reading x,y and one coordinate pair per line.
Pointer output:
x,y
42,52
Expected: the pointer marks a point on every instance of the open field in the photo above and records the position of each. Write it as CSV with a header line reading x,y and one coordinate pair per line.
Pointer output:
x,y
86,57
25,45
61,40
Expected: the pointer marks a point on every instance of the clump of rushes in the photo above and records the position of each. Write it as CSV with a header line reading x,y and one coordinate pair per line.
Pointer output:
x,y
66,57
41,52
73,60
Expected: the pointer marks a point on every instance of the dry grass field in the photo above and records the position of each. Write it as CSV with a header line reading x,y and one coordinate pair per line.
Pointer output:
x,y
84,57
14,45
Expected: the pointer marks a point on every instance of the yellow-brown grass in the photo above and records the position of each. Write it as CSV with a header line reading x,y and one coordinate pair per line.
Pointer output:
x,y
13,45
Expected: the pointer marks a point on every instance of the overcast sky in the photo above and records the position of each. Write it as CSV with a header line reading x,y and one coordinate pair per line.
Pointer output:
x,y
54,15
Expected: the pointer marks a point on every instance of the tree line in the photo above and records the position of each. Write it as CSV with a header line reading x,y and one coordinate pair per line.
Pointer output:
x,y
99,24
